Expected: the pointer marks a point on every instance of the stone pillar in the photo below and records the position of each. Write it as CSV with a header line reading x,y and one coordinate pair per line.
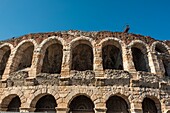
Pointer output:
x,y
62,110
8,67
151,62
97,62
125,58
129,58
136,107
100,110
156,64
36,64
66,62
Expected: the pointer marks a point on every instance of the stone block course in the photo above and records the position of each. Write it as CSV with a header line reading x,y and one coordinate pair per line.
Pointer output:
x,y
100,83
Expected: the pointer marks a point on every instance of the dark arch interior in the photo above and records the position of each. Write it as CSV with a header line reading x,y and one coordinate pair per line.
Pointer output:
x,y
81,104
46,103
160,48
166,63
53,59
148,106
112,57
140,60
15,104
3,61
82,58
116,104
26,58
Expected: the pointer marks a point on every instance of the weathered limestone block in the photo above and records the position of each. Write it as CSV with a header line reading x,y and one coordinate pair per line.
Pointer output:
x,y
146,79
82,77
116,77
48,79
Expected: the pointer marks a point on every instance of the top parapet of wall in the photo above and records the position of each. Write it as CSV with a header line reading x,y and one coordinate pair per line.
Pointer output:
x,y
71,34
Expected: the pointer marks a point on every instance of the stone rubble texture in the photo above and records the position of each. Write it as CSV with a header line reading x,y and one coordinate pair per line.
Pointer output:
x,y
28,70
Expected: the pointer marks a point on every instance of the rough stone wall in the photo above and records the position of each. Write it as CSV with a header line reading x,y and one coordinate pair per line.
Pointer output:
x,y
51,69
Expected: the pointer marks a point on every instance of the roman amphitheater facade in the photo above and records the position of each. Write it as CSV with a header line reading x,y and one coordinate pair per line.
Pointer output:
x,y
85,72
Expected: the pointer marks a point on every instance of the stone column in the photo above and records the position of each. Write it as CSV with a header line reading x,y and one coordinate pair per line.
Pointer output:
x,y
36,63
136,107
97,62
100,110
66,62
62,110
129,58
151,62
125,58
8,67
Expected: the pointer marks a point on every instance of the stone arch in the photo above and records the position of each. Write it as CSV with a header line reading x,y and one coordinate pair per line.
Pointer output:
x,y
117,103
5,51
82,54
151,104
7,44
163,47
162,54
139,52
168,111
112,53
11,102
81,103
23,55
52,54
44,102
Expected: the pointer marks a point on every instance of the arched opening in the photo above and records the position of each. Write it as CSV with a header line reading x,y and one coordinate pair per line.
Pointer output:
x,y
14,105
82,58
81,104
148,106
5,52
160,48
112,57
53,59
163,55
26,59
46,103
116,104
140,60
23,56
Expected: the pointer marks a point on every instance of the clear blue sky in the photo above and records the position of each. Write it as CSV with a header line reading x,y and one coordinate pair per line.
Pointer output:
x,y
146,17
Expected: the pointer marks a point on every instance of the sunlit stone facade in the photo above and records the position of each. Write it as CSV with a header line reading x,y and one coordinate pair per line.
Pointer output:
x,y
85,72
